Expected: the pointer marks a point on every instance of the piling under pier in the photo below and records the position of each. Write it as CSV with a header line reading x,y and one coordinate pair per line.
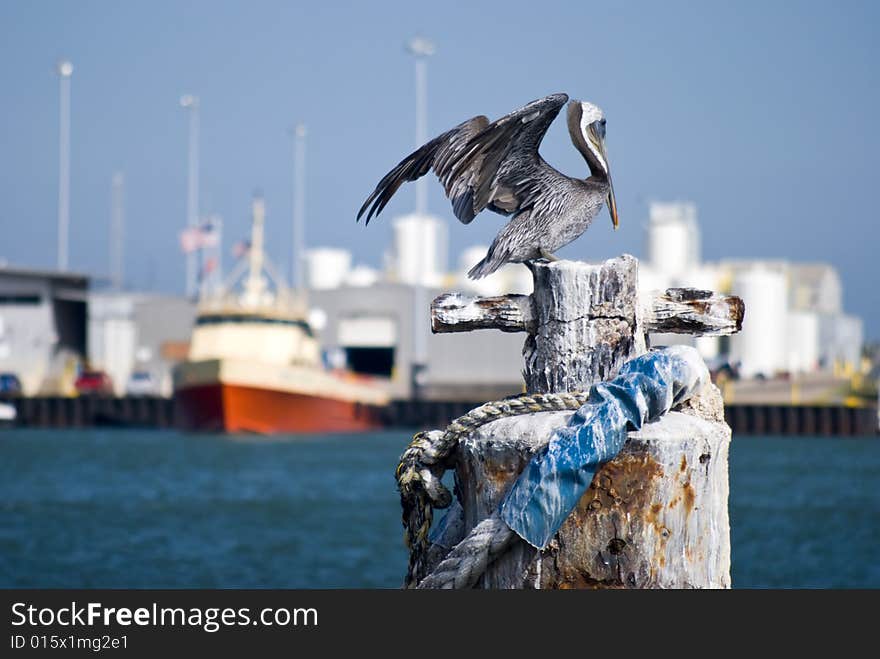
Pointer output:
x,y
92,411
158,412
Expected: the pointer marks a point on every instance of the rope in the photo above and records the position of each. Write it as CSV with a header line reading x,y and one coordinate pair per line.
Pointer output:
x,y
468,560
430,454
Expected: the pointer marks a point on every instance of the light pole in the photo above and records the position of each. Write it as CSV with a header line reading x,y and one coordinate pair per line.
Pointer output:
x,y
421,48
64,70
191,105
299,208
117,219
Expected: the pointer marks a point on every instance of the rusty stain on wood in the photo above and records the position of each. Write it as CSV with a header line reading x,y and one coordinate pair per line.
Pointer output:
x,y
689,497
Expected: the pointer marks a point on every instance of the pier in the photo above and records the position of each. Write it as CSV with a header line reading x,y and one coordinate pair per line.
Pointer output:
x,y
160,413
805,420
92,411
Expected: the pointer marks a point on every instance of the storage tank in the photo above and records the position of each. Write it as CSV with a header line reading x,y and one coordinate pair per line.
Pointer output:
x,y
803,341
420,249
761,346
673,238
327,267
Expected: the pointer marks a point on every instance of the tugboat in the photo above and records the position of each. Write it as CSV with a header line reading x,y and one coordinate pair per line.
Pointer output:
x,y
254,364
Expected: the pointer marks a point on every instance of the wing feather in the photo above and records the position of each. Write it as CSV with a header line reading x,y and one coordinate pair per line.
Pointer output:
x,y
480,164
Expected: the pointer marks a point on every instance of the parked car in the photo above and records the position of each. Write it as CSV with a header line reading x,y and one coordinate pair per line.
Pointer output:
x,y
7,414
10,385
95,383
141,383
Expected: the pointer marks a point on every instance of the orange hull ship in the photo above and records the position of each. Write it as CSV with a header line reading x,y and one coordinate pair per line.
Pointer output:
x,y
230,408
224,395
254,364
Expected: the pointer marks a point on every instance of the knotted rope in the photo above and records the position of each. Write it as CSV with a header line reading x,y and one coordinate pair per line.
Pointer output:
x,y
419,480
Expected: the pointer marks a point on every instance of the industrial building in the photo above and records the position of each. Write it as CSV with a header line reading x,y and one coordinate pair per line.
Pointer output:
x,y
795,322
376,321
42,328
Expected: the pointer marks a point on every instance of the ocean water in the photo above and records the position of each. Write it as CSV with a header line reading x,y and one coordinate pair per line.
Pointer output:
x,y
144,509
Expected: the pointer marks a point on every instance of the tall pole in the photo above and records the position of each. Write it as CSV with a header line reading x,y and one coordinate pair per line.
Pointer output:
x,y
117,220
217,222
65,70
191,104
299,208
420,48
421,128
256,284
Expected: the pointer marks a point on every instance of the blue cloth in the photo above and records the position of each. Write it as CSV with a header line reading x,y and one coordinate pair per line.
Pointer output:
x,y
553,482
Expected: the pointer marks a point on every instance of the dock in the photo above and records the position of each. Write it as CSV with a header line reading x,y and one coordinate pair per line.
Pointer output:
x,y
156,412
806,420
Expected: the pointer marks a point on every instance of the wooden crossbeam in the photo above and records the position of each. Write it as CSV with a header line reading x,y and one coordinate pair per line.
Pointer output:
x,y
675,310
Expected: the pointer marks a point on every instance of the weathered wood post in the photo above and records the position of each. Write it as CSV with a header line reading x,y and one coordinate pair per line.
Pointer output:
x,y
655,516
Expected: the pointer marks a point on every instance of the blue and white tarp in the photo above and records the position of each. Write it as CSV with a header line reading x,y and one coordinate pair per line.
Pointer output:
x,y
550,486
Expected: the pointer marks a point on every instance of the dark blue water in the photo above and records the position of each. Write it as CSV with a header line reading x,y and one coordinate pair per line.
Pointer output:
x,y
162,509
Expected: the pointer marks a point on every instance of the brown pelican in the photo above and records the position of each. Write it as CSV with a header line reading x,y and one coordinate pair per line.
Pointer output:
x,y
497,166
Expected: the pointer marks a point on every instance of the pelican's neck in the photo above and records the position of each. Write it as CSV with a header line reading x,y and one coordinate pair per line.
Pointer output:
x,y
578,133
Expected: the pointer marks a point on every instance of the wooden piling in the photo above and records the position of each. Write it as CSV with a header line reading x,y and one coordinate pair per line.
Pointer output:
x,y
655,516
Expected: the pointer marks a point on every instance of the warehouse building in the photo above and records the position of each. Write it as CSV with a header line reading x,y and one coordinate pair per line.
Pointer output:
x,y
42,328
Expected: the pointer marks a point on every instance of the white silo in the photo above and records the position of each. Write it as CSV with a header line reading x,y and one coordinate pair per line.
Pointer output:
x,y
420,249
673,238
803,341
761,347
327,267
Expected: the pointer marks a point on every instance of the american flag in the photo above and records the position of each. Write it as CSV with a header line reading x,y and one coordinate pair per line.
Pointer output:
x,y
203,236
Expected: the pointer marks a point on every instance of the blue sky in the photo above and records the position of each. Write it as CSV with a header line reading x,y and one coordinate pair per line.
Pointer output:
x,y
763,113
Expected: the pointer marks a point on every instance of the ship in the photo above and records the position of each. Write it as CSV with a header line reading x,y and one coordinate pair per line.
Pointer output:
x,y
254,364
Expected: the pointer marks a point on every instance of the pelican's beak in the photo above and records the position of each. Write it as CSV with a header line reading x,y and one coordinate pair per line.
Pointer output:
x,y
597,137
612,203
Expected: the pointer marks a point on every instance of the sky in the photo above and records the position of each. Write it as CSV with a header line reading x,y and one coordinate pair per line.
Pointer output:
x,y
762,113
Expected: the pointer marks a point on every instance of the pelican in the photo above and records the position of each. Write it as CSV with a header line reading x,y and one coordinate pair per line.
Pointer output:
x,y
497,166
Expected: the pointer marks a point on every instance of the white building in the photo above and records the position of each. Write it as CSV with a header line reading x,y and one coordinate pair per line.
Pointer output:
x,y
42,328
794,319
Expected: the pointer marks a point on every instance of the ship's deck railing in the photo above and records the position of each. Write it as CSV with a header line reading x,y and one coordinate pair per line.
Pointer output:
x,y
284,305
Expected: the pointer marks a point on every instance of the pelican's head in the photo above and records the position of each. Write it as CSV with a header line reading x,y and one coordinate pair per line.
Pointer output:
x,y
586,124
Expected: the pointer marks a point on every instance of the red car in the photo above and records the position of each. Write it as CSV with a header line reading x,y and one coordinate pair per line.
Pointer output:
x,y
94,383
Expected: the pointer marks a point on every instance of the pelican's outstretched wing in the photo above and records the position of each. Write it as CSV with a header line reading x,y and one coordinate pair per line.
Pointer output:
x,y
480,164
